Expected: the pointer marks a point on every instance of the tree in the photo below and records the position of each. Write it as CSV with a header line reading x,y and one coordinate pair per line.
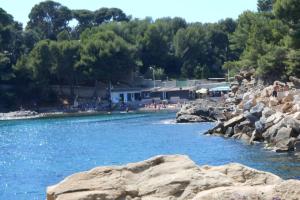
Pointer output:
x,y
255,34
104,15
64,35
293,63
265,5
39,63
49,18
10,45
202,49
289,12
271,66
153,48
228,25
5,18
106,56
85,19
66,55
5,68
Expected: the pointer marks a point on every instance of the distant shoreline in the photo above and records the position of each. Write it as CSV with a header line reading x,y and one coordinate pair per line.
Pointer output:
x,y
23,115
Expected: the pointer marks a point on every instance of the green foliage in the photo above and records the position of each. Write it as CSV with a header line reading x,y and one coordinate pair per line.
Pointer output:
x,y
272,66
5,68
106,56
288,10
262,42
64,35
265,5
293,63
49,18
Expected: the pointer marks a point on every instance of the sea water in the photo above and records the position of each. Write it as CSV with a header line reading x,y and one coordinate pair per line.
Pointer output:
x,y
35,154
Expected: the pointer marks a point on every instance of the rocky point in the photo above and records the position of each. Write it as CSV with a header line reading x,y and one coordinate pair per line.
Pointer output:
x,y
174,177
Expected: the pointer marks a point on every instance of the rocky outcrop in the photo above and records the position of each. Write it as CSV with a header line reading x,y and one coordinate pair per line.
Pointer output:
x,y
200,111
173,177
260,117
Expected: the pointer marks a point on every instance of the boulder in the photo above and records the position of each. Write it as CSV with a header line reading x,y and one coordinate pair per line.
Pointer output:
x,y
245,137
267,112
287,107
292,123
234,88
205,110
259,127
247,96
189,118
288,98
173,177
233,121
297,146
249,104
252,118
271,132
218,128
296,107
256,137
267,91
282,139
257,110
273,101
229,132
296,116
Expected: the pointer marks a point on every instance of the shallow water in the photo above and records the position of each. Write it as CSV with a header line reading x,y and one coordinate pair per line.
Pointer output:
x,y
37,153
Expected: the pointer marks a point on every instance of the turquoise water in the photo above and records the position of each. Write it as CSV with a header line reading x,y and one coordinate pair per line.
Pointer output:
x,y
37,153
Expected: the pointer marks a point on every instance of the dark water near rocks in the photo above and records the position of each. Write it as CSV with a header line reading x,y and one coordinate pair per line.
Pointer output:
x,y
37,153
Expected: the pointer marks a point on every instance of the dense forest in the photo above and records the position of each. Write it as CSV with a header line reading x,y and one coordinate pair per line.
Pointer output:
x,y
60,46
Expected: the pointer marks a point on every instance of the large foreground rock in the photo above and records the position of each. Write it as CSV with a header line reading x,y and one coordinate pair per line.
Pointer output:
x,y
173,178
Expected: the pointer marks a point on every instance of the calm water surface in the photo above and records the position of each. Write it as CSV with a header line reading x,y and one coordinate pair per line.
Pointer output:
x,y
37,153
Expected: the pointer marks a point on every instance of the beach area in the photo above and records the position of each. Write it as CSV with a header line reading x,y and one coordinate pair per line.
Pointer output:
x,y
28,114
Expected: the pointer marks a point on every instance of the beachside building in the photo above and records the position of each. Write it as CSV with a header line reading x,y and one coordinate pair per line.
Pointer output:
x,y
125,95
170,91
174,95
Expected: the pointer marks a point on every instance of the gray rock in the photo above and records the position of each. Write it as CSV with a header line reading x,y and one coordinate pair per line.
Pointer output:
x,y
248,105
283,140
259,127
173,177
257,110
233,121
267,112
256,137
229,132
189,118
206,110
252,118
297,146
292,123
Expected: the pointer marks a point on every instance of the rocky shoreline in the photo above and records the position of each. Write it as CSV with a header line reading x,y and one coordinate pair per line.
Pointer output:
x,y
174,177
252,113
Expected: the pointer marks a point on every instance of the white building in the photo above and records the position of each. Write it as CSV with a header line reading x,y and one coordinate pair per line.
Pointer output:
x,y
125,95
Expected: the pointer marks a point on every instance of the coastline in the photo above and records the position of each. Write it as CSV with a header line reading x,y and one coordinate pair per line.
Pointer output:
x,y
24,115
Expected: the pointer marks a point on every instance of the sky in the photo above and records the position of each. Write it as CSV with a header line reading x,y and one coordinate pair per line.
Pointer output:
x,y
191,10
